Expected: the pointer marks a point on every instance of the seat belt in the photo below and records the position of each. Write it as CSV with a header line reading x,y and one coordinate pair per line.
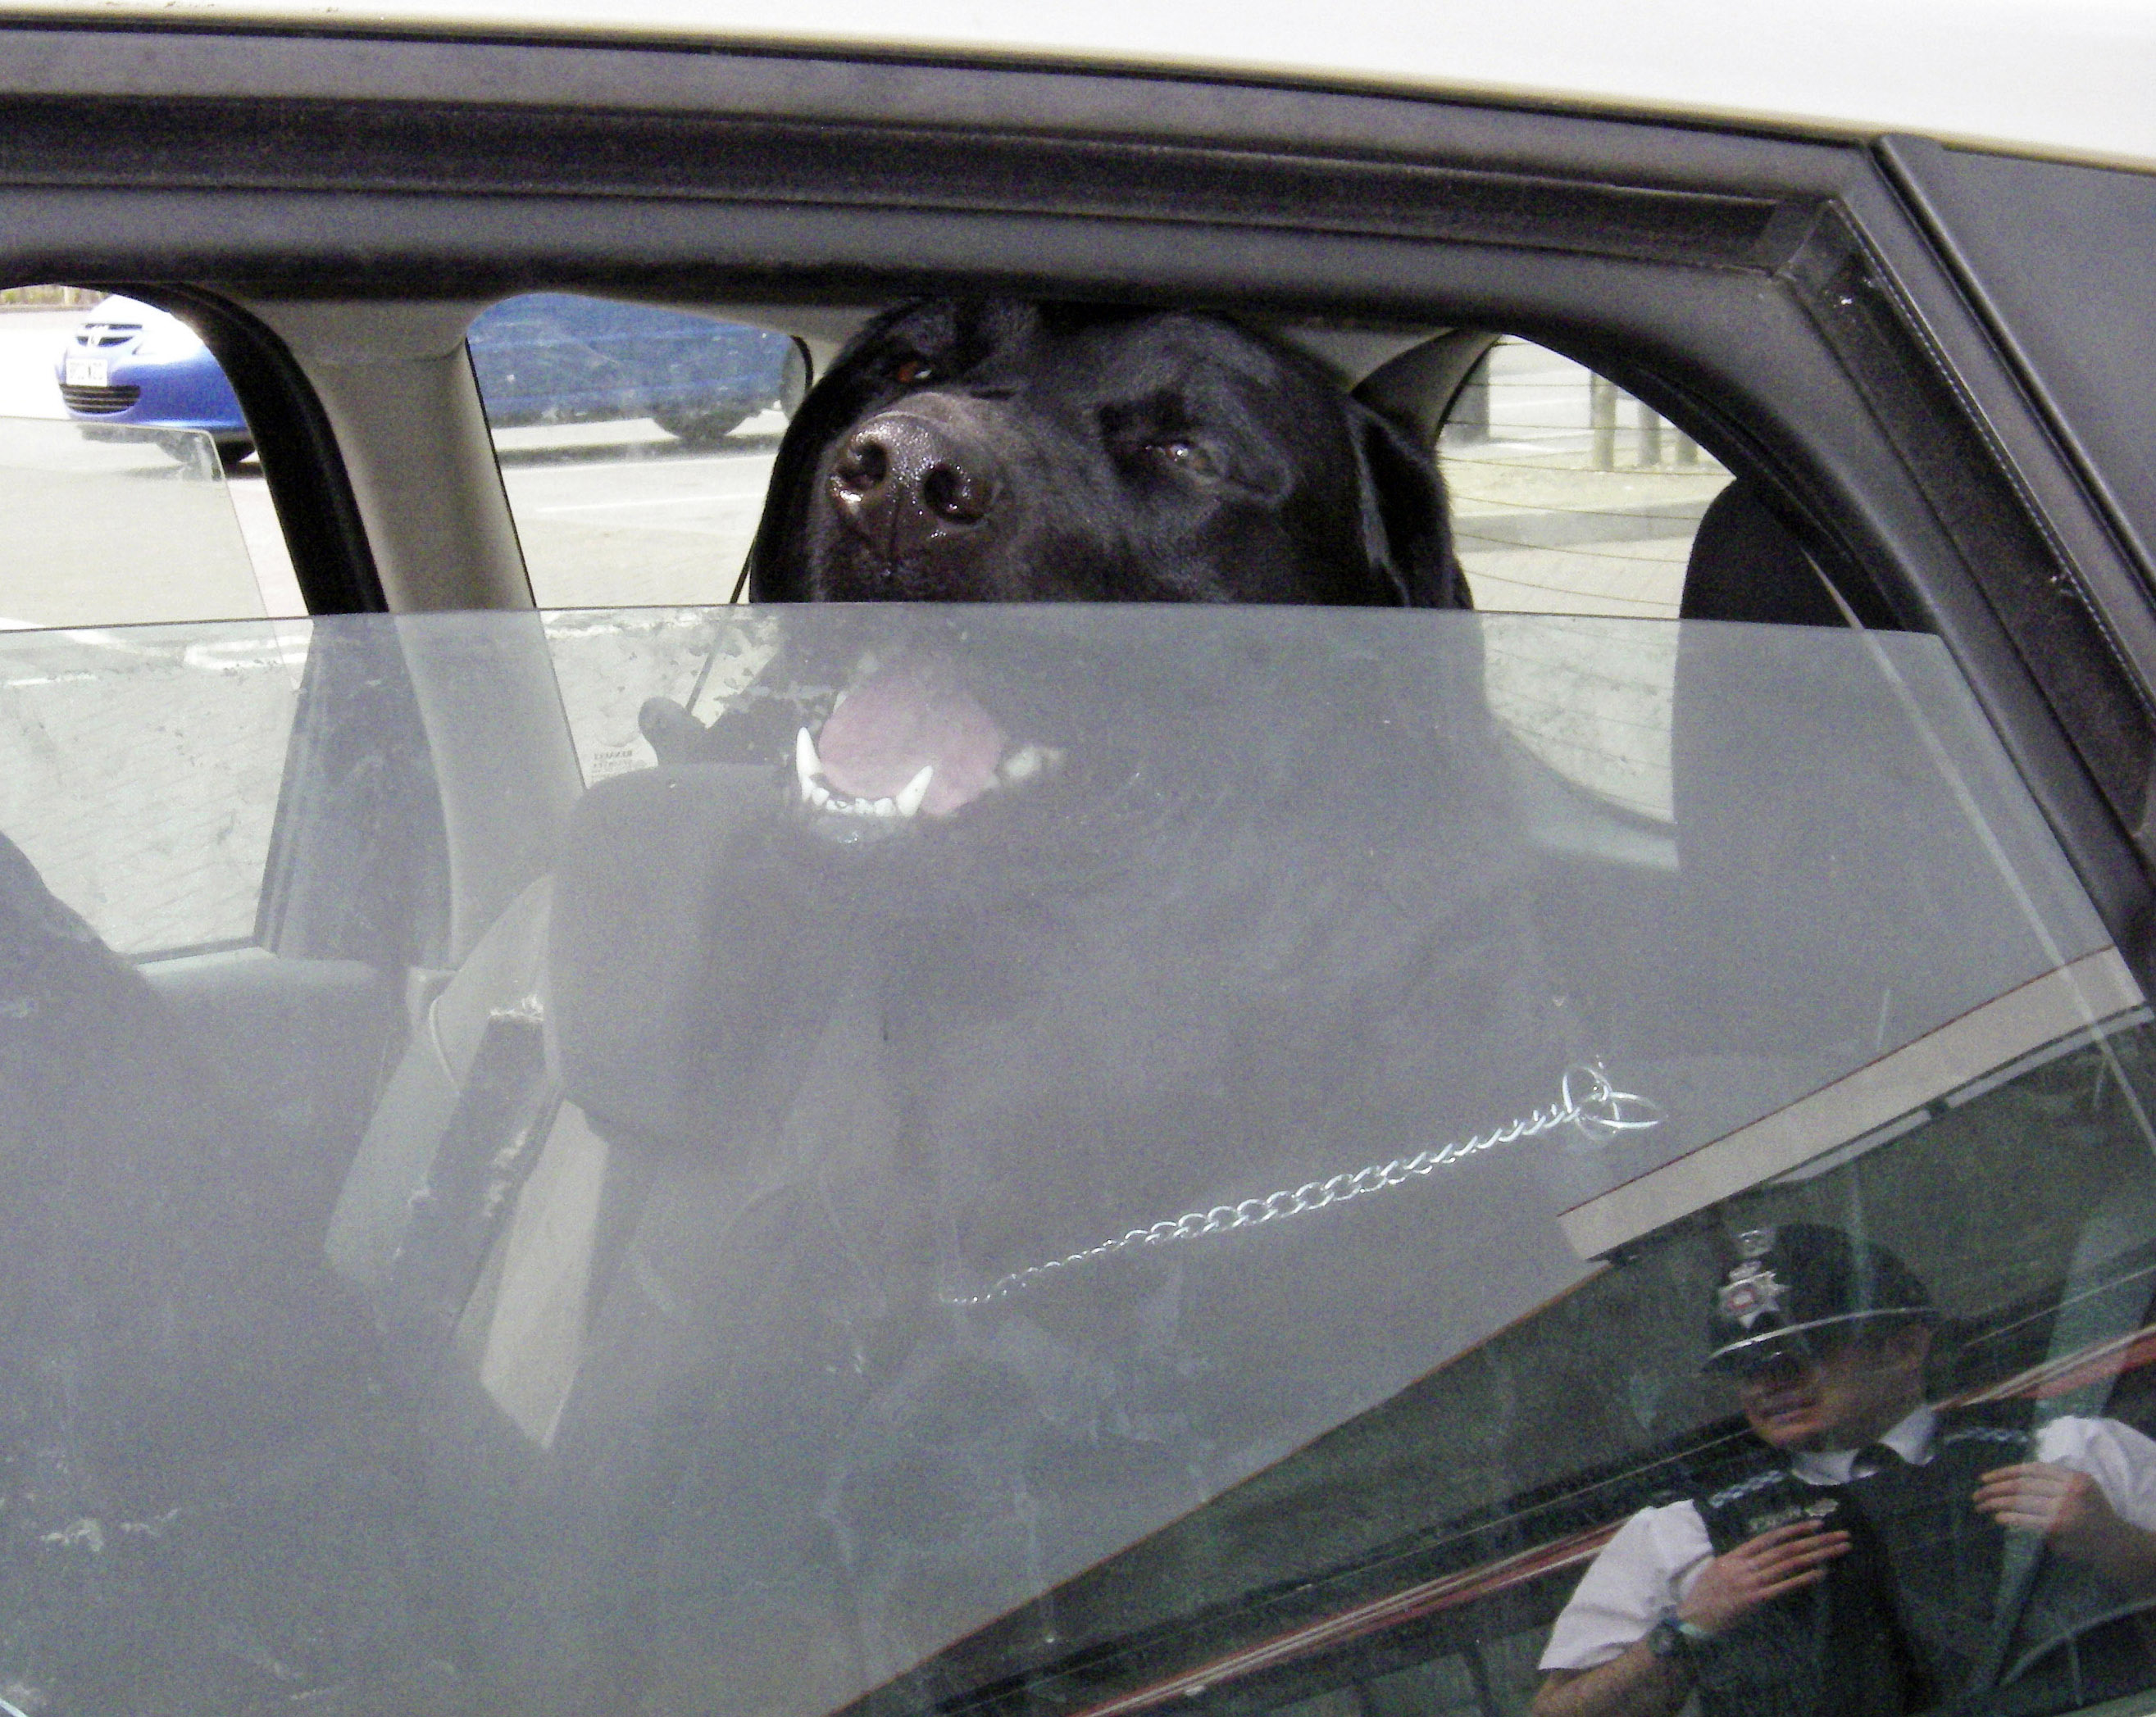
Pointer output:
x,y
494,1136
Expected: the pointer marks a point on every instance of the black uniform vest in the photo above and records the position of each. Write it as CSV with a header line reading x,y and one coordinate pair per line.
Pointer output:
x,y
1911,1618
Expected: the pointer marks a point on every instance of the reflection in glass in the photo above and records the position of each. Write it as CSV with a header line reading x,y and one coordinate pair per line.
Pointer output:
x,y
1003,1158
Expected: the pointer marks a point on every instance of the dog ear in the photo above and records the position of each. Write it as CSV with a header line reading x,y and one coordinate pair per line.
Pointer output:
x,y
1407,525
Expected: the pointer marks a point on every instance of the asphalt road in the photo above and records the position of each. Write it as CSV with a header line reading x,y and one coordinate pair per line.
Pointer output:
x,y
615,514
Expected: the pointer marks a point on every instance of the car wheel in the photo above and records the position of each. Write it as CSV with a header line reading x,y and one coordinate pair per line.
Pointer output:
x,y
700,428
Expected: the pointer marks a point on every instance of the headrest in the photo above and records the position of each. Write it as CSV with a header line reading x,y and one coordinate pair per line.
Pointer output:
x,y
1745,566
639,936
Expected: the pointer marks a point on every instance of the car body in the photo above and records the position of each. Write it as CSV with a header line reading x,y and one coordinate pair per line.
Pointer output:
x,y
542,359
123,351
513,1218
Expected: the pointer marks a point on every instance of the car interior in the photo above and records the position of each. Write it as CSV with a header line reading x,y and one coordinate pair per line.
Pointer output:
x,y
345,905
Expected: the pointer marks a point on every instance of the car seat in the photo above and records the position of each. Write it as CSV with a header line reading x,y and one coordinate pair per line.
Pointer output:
x,y
202,1505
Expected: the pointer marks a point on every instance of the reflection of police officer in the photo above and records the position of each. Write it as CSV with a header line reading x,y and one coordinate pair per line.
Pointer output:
x,y
1877,1555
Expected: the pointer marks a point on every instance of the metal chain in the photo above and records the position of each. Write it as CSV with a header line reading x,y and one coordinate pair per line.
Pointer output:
x,y
1598,1109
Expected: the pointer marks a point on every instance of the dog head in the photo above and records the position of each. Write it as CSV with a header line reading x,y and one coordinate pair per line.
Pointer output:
x,y
1000,450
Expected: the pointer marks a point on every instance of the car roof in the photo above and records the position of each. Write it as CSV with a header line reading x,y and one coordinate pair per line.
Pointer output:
x,y
2061,78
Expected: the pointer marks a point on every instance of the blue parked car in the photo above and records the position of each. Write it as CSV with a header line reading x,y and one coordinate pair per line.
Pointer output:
x,y
546,357
556,357
134,364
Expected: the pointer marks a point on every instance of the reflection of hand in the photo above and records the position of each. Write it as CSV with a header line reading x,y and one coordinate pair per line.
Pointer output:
x,y
2068,1508
1758,1570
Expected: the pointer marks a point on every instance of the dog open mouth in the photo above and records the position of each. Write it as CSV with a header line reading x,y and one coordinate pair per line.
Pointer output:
x,y
907,742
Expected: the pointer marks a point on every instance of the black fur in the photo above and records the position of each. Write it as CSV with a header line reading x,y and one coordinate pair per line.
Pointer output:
x,y
974,450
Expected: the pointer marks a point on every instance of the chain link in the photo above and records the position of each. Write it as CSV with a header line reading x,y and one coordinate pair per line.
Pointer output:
x,y
1598,1109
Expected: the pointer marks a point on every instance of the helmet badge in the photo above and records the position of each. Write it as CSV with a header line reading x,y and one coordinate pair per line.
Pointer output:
x,y
1752,1291
1750,1294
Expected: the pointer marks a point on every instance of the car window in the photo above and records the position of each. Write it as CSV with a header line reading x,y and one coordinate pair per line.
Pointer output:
x,y
1568,495
141,770
152,808
1221,1208
133,497
1572,499
634,443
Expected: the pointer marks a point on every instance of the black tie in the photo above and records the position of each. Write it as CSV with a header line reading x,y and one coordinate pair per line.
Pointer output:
x,y
1865,1606
1875,1457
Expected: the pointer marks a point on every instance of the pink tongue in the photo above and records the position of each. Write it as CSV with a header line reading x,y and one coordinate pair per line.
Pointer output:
x,y
913,713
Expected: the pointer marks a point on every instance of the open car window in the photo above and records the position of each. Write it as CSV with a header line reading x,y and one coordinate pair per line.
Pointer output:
x,y
1199,1200
634,441
132,495
1568,495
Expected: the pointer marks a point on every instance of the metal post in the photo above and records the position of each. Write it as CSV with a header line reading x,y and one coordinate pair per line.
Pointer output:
x,y
1602,420
1469,420
1650,436
1688,450
1478,1672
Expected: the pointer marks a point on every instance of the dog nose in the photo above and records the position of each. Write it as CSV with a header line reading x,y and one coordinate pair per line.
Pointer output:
x,y
903,481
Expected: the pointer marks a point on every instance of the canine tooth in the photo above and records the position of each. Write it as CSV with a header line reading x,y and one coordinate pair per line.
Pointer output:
x,y
914,791
807,764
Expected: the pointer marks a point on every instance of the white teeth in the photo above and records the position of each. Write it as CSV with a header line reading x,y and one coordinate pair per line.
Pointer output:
x,y
1028,761
914,791
808,770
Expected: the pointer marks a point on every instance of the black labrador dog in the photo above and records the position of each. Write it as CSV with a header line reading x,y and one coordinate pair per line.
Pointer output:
x,y
1007,450
971,938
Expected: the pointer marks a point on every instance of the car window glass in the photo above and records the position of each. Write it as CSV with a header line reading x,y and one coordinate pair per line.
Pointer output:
x,y
138,771
141,770
613,662
1568,495
132,497
1570,498
1218,1209
634,443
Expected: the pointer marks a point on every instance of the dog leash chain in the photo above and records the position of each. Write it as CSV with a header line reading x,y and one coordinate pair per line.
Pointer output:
x,y
1598,1108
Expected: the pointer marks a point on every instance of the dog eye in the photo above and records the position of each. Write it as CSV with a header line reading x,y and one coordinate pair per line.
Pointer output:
x,y
1191,457
915,369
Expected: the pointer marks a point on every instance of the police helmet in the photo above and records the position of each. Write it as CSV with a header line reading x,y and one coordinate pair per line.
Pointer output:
x,y
1795,1289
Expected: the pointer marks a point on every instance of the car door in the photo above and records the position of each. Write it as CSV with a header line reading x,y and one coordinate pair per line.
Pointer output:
x,y
1747,872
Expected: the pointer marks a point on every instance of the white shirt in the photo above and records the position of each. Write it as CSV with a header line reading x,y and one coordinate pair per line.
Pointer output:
x,y
1644,1573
